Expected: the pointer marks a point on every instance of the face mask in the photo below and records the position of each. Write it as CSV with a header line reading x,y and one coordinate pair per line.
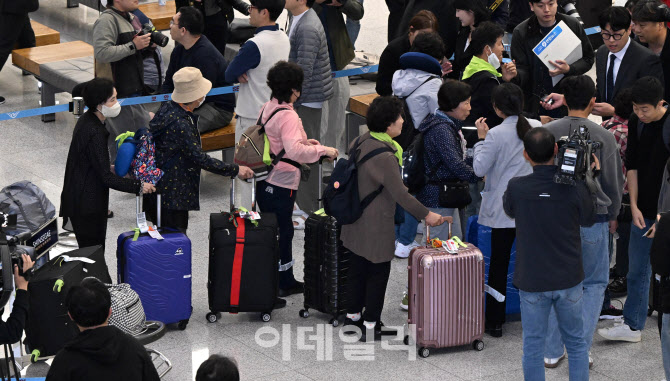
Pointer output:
x,y
493,59
201,102
111,112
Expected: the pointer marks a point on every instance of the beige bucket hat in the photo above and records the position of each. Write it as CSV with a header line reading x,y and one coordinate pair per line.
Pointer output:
x,y
189,85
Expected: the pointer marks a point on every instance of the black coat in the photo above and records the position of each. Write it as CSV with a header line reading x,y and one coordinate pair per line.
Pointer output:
x,y
638,62
462,56
532,74
225,5
660,260
12,329
389,62
103,354
482,84
87,171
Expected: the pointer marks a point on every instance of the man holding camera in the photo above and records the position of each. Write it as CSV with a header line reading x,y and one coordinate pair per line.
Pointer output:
x,y
118,44
579,95
549,260
11,330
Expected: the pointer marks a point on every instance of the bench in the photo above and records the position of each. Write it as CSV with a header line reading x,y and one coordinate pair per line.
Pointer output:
x,y
356,112
160,15
221,139
44,35
60,67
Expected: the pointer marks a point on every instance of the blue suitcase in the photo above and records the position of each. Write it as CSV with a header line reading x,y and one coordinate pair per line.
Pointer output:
x,y
159,271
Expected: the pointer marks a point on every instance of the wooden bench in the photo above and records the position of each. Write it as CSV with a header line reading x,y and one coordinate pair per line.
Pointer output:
x,y
221,139
60,67
44,35
160,15
356,112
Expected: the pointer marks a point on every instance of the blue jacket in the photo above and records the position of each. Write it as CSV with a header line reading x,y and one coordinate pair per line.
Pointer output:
x,y
443,156
178,145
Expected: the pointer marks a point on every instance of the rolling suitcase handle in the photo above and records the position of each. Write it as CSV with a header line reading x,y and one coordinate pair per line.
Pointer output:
x,y
141,217
321,159
428,243
232,194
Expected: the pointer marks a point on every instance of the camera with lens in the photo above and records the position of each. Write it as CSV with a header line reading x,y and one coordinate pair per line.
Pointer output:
x,y
574,156
13,254
157,38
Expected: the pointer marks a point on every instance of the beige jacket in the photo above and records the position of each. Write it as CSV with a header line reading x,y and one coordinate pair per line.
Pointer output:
x,y
373,235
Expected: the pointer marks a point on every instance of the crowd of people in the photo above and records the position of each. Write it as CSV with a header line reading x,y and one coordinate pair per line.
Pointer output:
x,y
444,69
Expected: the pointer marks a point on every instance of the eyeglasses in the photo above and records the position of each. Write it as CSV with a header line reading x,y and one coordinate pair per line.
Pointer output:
x,y
607,36
173,23
252,7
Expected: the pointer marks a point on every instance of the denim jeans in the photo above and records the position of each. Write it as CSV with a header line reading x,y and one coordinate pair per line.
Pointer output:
x,y
665,345
595,257
535,308
353,27
607,301
405,232
639,274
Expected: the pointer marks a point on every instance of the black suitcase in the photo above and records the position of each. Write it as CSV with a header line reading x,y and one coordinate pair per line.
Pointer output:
x,y
655,295
48,326
326,265
243,263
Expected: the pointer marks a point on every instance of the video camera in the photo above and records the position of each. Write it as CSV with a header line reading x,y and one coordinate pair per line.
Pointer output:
x,y
574,156
157,38
10,255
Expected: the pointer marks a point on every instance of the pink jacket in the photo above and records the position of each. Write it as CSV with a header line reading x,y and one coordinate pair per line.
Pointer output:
x,y
285,131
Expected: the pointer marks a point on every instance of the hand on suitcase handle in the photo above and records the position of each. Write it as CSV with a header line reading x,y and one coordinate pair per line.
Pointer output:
x,y
434,219
244,172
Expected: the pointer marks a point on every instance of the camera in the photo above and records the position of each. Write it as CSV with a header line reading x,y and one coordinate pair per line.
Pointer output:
x,y
574,156
157,38
14,251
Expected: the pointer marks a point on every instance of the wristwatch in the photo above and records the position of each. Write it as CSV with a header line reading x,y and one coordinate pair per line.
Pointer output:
x,y
132,46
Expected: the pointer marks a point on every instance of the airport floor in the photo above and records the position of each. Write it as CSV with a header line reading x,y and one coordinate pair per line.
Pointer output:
x,y
288,347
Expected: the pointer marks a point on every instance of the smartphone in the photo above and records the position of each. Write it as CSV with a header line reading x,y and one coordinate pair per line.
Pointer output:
x,y
646,234
547,100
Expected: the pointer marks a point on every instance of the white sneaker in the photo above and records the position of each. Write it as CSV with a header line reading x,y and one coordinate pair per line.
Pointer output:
x,y
553,363
620,332
404,304
402,251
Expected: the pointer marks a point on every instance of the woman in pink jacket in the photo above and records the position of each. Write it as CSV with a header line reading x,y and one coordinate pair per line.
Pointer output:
x,y
276,194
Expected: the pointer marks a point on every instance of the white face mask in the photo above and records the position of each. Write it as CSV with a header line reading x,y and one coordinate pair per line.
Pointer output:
x,y
493,59
111,112
202,101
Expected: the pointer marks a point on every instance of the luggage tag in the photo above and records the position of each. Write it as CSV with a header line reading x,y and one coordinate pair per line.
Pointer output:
x,y
142,222
450,246
153,233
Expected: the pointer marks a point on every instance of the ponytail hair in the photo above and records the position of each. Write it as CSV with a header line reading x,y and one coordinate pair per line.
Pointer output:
x,y
508,98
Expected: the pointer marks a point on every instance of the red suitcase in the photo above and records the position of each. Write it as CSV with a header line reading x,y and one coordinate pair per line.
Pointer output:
x,y
446,298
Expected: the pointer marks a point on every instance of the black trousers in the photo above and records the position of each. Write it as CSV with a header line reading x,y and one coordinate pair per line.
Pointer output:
x,y
216,30
176,219
501,248
14,29
90,229
366,287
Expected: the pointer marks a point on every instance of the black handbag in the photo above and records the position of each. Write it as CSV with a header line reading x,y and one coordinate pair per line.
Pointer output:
x,y
454,194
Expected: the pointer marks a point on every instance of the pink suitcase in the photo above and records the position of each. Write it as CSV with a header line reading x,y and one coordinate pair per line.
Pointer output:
x,y
446,298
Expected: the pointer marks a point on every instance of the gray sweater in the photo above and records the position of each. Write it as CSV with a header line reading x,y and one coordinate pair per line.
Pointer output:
x,y
309,49
611,177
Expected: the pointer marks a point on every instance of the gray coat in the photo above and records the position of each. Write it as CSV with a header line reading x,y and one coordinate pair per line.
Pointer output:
x,y
372,236
611,177
500,158
309,49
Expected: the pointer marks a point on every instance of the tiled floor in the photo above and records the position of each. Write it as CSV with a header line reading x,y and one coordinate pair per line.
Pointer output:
x,y
36,151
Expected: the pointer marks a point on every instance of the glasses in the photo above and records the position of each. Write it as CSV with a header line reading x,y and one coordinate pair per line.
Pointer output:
x,y
607,36
173,23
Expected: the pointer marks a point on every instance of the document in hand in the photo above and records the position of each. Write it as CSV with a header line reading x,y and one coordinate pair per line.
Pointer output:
x,y
560,43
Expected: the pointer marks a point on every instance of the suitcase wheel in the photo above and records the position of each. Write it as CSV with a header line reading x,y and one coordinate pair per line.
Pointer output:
x,y
334,321
34,356
304,313
212,317
182,324
478,345
265,316
424,352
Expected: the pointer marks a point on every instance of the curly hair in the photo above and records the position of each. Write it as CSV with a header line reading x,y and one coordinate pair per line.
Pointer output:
x,y
383,112
283,78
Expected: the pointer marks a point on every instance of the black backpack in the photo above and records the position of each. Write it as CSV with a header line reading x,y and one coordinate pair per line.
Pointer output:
x,y
413,166
409,131
341,199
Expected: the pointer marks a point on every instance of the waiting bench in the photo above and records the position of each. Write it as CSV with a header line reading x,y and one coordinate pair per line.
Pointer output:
x,y
60,67
221,139
356,112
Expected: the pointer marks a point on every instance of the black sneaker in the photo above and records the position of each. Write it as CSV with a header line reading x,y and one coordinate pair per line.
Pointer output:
x,y
2,100
378,332
495,330
618,287
610,313
298,288
352,327
280,303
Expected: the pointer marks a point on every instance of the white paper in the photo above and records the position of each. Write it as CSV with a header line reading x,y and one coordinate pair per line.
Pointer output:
x,y
560,43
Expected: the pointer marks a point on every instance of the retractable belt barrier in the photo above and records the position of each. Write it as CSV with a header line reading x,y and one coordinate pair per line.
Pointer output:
x,y
217,91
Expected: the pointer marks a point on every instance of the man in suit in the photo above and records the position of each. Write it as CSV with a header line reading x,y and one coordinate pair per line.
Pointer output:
x,y
620,61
